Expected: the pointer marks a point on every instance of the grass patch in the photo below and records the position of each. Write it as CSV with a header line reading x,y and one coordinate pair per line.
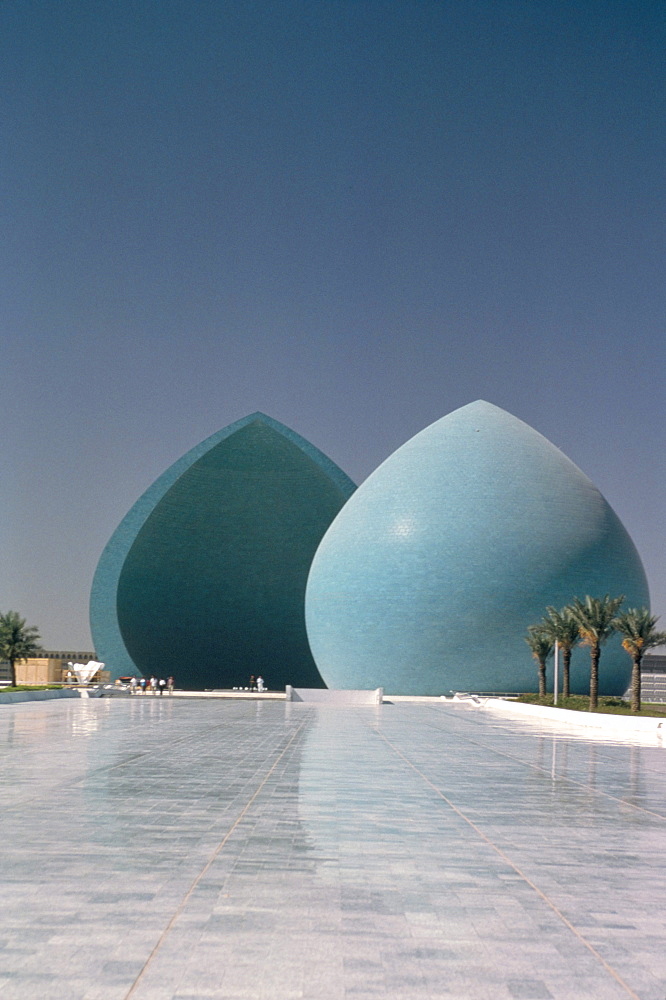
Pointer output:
x,y
606,704
31,687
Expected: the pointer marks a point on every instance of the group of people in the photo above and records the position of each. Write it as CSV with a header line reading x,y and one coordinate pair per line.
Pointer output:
x,y
256,684
157,686
151,685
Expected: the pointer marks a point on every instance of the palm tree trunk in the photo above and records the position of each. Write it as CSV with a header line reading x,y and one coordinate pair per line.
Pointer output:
x,y
636,684
542,678
566,663
595,653
12,672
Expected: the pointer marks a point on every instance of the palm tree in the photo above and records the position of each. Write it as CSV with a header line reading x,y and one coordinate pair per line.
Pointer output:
x,y
637,626
595,616
561,627
541,646
17,640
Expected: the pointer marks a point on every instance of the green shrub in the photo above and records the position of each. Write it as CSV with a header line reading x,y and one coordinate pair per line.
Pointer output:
x,y
609,705
32,687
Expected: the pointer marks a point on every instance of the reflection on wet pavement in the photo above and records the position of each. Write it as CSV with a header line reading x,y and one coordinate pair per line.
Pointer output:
x,y
162,849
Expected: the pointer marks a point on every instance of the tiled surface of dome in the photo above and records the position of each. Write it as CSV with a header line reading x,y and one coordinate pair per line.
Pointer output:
x,y
428,578
205,577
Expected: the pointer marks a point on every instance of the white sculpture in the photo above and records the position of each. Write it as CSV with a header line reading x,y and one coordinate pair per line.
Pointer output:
x,y
84,671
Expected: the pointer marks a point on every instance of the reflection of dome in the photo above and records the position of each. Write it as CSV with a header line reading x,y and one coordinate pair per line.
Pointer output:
x,y
429,576
205,577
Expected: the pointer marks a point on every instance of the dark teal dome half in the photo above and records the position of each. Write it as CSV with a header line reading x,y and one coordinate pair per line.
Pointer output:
x,y
205,577
428,578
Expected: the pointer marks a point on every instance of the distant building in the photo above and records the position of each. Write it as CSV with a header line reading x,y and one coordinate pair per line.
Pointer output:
x,y
49,668
653,677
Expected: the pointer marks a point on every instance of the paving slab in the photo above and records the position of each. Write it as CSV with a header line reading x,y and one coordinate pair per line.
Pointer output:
x,y
181,849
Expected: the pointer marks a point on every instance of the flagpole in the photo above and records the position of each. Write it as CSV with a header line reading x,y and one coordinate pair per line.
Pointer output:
x,y
555,671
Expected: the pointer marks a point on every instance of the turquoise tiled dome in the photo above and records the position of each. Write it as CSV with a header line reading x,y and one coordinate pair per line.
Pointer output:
x,y
205,577
428,578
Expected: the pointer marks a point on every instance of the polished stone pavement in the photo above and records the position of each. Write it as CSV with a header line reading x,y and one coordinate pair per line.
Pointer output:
x,y
168,849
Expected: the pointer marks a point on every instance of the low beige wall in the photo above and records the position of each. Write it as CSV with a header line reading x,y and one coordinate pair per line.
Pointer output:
x,y
590,720
323,696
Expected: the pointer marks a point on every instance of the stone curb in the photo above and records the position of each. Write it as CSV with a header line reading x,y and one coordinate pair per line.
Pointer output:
x,y
590,720
12,697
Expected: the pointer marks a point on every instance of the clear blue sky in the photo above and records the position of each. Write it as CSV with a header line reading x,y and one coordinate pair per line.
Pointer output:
x,y
354,216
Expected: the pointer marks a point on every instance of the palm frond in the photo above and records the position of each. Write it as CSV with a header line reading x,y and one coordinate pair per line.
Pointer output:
x,y
638,627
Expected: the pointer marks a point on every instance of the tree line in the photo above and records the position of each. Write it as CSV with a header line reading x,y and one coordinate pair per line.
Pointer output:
x,y
591,622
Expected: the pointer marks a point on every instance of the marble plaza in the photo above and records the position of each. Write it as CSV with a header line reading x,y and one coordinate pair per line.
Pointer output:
x,y
182,849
